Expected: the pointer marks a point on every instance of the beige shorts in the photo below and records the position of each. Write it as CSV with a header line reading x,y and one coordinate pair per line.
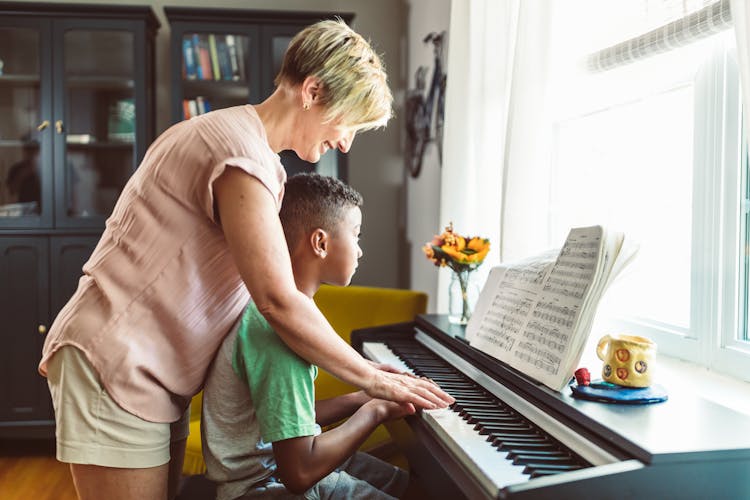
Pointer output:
x,y
93,429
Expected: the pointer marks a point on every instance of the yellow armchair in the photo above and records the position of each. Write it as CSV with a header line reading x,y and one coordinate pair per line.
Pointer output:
x,y
346,308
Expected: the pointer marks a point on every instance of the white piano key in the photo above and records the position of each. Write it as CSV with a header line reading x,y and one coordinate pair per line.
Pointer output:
x,y
382,354
490,466
485,462
587,450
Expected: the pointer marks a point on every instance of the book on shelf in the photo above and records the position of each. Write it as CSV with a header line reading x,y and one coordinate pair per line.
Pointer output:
x,y
186,109
213,52
121,121
236,57
201,104
224,62
79,138
194,107
536,314
202,57
188,60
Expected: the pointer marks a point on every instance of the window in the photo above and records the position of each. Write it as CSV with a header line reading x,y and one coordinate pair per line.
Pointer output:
x,y
652,146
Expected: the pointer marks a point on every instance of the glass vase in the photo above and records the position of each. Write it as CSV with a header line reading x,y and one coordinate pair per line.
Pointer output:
x,y
462,296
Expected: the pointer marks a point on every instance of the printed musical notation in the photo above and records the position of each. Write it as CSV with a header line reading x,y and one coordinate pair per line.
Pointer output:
x,y
538,357
523,277
551,337
535,314
504,319
552,314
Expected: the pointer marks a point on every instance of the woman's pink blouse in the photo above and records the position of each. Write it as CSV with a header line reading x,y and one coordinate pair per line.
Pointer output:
x,y
161,290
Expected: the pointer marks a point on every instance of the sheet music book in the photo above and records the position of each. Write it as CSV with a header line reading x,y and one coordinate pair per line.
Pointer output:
x,y
536,314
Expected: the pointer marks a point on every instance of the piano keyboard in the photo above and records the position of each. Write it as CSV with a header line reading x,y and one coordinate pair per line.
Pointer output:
x,y
497,444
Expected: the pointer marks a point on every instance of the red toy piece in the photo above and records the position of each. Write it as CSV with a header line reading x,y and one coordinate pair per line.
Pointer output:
x,y
583,377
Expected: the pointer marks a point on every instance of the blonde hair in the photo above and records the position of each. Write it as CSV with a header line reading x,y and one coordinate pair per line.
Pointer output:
x,y
353,79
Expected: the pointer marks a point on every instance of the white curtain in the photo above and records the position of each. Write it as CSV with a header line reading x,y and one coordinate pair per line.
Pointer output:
x,y
480,64
741,17
525,213
494,102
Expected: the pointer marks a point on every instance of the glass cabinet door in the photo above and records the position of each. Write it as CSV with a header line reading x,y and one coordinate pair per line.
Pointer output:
x,y
25,142
97,124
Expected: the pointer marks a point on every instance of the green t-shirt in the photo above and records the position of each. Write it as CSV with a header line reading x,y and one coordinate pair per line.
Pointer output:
x,y
282,385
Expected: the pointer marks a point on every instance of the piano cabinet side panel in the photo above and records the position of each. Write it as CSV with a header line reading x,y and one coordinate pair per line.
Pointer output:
x,y
720,479
437,473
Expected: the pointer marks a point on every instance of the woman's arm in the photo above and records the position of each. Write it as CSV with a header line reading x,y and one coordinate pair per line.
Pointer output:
x,y
253,231
304,461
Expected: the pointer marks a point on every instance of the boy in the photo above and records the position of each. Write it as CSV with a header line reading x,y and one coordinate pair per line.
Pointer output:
x,y
260,422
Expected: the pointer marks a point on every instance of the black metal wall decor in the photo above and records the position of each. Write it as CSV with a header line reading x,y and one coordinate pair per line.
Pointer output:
x,y
419,109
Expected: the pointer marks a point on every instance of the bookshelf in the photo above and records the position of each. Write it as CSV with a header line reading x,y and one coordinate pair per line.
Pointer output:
x,y
207,73
77,100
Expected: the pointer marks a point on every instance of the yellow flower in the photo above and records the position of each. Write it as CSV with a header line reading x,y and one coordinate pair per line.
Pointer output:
x,y
456,251
481,246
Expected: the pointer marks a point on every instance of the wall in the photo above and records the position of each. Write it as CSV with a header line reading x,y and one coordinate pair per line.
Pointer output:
x,y
422,194
375,162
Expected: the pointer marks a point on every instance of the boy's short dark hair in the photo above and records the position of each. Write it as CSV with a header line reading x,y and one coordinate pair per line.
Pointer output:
x,y
314,201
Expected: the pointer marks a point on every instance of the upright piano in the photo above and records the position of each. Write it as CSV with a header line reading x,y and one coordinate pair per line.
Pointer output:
x,y
508,436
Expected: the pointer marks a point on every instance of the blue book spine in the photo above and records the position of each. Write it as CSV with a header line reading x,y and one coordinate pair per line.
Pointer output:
x,y
224,61
196,55
188,57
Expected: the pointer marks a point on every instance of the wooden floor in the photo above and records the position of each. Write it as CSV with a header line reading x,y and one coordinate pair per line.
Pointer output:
x,y
29,470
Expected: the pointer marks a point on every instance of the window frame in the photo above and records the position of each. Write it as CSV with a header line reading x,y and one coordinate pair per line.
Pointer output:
x,y
714,337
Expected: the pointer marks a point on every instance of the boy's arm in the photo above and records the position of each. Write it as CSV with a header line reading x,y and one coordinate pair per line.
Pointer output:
x,y
303,461
331,410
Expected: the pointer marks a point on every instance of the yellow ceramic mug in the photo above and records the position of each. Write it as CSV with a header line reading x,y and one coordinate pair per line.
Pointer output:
x,y
628,359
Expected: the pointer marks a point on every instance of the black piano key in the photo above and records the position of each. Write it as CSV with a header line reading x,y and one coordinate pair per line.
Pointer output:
x,y
535,459
491,419
538,453
471,409
550,468
473,393
498,440
478,406
507,445
471,396
445,373
498,411
508,421
507,429
459,385
542,473
469,401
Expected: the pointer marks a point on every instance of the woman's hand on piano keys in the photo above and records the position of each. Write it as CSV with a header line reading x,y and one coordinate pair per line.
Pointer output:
x,y
422,393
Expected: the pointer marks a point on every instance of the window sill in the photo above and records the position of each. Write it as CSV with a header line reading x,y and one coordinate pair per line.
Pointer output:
x,y
720,389
675,375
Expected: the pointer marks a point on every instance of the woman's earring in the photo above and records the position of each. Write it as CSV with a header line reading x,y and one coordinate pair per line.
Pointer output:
x,y
306,106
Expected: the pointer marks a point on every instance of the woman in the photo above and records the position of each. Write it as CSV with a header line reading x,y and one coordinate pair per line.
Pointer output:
x,y
195,231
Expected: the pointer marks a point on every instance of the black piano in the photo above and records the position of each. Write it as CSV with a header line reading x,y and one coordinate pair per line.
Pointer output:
x,y
508,436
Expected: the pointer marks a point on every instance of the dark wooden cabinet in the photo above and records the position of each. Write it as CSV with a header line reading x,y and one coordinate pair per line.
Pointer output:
x,y
77,99
24,309
228,57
